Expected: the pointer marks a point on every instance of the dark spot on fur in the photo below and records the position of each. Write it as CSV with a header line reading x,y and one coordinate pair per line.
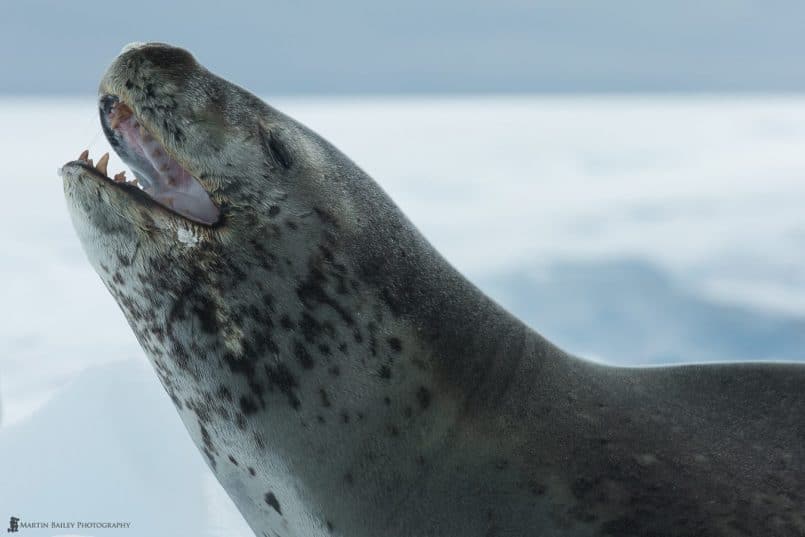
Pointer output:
x,y
247,405
181,358
329,526
286,322
335,371
209,448
312,329
311,292
290,224
581,487
325,217
391,301
273,211
281,377
272,501
325,400
395,344
536,489
238,364
252,472
349,479
233,460
385,372
372,327
302,354
423,396
341,285
159,332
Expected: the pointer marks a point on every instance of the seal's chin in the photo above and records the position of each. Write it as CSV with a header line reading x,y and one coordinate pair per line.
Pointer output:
x,y
156,173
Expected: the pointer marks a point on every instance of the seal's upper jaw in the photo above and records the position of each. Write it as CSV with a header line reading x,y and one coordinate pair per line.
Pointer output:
x,y
159,174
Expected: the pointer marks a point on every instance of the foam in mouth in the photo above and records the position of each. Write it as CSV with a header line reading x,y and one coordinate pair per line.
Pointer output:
x,y
156,172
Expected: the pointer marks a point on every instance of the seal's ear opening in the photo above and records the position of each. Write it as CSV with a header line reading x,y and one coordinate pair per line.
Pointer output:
x,y
274,147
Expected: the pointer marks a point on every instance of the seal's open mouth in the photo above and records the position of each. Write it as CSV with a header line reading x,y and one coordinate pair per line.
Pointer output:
x,y
156,173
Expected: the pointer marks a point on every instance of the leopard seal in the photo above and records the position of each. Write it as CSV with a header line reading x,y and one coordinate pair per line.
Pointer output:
x,y
341,378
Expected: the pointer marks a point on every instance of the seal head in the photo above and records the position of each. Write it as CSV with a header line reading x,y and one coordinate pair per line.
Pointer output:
x,y
278,293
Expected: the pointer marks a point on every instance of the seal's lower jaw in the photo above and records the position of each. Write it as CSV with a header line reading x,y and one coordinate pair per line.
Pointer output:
x,y
157,174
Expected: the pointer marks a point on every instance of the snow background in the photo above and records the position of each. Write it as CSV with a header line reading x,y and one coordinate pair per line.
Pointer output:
x,y
636,230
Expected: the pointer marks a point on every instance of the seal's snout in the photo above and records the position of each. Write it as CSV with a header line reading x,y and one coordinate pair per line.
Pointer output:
x,y
145,117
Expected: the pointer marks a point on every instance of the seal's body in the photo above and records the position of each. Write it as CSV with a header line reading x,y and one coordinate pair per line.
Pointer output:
x,y
341,378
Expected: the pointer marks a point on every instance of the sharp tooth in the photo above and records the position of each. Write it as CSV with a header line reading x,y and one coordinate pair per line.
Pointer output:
x,y
120,177
135,182
101,166
84,155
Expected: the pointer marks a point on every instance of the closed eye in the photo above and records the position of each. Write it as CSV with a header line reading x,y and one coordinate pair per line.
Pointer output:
x,y
275,148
